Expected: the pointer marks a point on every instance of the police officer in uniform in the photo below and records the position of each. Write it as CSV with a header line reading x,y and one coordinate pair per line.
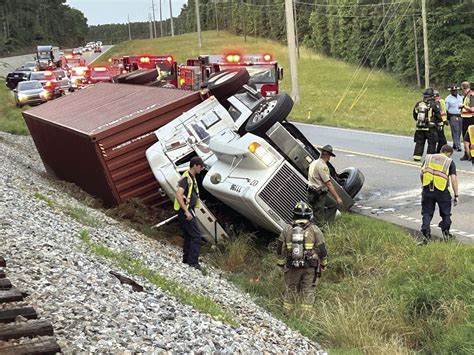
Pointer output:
x,y
319,184
437,172
444,121
427,115
302,250
187,199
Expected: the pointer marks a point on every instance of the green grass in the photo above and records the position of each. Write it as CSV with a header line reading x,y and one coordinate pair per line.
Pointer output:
x,y
50,202
136,267
81,215
380,294
11,120
385,105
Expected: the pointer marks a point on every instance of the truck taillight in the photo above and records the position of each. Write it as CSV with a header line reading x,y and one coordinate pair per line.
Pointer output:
x,y
269,90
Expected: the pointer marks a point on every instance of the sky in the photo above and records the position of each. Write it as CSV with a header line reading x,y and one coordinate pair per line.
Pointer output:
x,y
116,11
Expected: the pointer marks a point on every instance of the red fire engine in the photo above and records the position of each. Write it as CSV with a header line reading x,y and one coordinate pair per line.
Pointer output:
x,y
264,72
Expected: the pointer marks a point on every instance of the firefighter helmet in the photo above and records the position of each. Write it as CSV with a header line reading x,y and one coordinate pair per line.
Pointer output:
x,y
302,211
429,92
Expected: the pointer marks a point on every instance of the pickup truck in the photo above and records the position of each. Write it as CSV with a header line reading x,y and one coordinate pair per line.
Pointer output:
x,y
256,161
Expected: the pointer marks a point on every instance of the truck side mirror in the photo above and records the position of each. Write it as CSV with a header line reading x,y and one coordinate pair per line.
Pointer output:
x,y
280,73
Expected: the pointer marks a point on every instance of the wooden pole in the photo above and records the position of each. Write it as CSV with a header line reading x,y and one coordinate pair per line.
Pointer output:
x,y
198,20
425,44
417,64
290,34
171,19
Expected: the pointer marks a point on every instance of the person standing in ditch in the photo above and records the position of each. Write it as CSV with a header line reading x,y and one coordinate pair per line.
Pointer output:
x,y
302,250
187,199
437,171
319,184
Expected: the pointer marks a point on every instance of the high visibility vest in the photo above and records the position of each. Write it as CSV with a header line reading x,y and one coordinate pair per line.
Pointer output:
x,y
443,111
470,131
465,113
192,184
435,170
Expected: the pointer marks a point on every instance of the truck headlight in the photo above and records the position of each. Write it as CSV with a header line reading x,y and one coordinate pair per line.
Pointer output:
x,y
261,153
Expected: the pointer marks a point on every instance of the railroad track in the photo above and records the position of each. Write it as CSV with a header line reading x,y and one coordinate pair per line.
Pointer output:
x,y
21,332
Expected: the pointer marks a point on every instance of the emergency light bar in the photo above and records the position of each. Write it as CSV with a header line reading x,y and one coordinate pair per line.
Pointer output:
x,y
145,60
100,69
68,56
238,58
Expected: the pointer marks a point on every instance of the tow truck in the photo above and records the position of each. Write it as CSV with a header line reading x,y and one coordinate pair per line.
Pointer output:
x,y
256,161
265,73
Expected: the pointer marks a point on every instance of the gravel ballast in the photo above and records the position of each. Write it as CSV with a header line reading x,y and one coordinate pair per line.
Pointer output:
x,y
89,308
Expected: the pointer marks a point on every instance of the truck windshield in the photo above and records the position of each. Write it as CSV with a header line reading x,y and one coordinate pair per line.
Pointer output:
x,y
165,70
258,73
44,55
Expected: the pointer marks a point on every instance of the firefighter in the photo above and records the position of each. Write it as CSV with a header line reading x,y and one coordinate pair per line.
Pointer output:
x,y
467,111
438,172
319,184
302,251
187,199
444,120
469,143
426,114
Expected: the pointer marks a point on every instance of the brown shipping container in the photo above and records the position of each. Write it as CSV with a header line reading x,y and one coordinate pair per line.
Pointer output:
x,y
97,137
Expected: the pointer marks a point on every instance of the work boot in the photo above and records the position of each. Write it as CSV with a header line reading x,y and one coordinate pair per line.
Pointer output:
x,y
425,239
464,157
447,236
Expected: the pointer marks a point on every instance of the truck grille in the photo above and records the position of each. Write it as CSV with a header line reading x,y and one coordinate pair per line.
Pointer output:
x,y
283,191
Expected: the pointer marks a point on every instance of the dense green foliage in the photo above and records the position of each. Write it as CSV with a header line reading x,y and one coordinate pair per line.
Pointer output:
x,y
381,293
28,23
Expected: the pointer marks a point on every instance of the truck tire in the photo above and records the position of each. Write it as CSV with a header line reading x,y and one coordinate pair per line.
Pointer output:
x,y
274,109
141,77
227,83
352,180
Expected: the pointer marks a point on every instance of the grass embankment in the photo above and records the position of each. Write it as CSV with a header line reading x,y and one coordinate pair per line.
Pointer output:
x,y
11,120
381,294
385,104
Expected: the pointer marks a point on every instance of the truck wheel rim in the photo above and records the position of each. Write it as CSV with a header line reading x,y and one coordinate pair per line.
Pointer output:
x,y
264,111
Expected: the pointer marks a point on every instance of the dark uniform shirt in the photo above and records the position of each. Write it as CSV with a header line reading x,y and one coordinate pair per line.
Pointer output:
x,y
435,112
184,184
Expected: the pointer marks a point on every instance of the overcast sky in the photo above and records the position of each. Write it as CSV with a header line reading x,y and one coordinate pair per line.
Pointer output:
x,y
116,11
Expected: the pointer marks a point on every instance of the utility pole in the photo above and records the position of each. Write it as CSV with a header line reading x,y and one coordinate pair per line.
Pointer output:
x,y
161,21
129,29
198,20
171,19
244,20
154,18
290,35
417,65
296,29
425,44
217,18
150,25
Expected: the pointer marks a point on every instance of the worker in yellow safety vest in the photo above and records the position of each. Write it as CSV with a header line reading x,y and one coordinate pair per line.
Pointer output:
x,y
187,199
469,143
438,172
467,111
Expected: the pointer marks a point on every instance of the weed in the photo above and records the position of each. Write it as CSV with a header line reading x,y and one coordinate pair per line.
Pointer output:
x,y
81,215
138,268
11,120
40,196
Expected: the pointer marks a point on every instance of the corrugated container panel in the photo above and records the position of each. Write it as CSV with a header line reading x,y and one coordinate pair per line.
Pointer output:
x,y
98,136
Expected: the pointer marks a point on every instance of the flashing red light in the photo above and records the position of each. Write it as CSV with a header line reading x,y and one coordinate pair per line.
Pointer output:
x,y
267,57
100,69
48,73
233,58
110,60
144,60
169,59
47,84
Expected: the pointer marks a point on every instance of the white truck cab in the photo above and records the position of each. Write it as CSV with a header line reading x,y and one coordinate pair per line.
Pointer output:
x,y
255,161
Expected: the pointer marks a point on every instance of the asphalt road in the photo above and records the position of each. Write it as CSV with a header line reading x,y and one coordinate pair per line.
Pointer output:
x,y
392,189
11,63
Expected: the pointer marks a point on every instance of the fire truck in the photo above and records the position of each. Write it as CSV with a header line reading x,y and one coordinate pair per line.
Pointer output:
x,y
166,66
265,73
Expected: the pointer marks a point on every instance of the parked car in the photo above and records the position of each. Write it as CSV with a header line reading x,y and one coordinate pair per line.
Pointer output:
x,y
98,49
256,161
48,80
64,81
77,50
13,78
30,93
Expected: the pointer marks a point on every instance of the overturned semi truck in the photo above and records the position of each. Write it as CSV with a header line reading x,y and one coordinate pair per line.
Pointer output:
x,y
256,161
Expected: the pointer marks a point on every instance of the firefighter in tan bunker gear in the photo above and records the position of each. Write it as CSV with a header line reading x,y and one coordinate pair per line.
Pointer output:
x,y
302,251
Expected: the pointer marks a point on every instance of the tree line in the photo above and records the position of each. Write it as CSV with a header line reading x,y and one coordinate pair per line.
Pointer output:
x,y
28,23
373,33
